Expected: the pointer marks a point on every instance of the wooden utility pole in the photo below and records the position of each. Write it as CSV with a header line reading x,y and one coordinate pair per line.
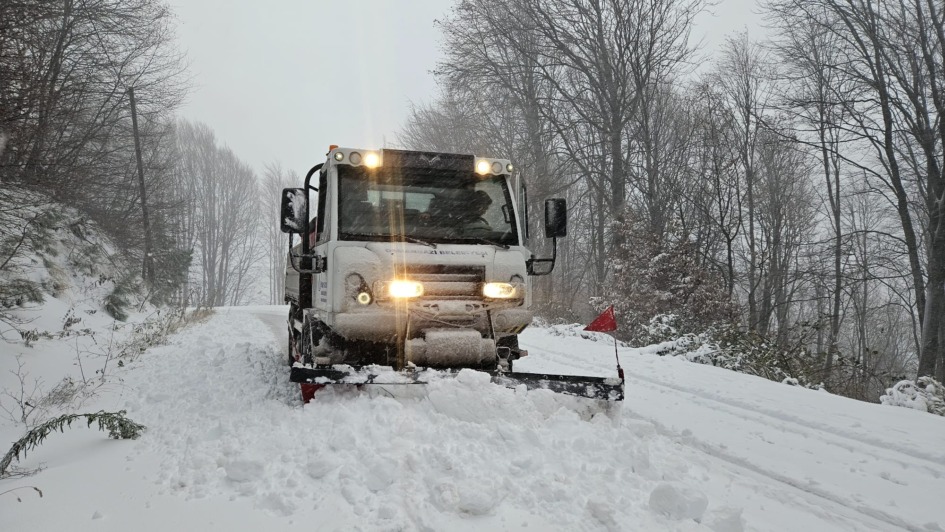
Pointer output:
x,y
147,270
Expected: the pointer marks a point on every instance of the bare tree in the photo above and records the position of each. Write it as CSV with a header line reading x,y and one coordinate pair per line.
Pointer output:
x,y
743,78
785,221
227,241
716,194
274,179
809,93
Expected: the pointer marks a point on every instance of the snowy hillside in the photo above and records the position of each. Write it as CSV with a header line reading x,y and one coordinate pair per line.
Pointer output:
x,y
230,447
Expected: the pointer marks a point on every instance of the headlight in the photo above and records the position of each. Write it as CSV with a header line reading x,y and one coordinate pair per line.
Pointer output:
x,y
500,290
404,289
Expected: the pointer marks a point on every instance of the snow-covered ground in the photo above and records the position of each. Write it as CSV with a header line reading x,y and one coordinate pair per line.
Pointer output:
x,y
229,446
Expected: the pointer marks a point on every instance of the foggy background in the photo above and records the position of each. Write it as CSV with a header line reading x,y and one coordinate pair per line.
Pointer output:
x,y
284,80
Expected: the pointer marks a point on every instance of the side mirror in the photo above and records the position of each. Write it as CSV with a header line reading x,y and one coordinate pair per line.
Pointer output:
x,y
556,226
556,218
292,214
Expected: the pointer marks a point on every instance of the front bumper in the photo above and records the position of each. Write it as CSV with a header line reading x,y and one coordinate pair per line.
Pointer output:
x,y
387,322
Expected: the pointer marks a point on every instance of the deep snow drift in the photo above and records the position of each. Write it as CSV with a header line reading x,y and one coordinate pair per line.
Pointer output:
x,y
229,446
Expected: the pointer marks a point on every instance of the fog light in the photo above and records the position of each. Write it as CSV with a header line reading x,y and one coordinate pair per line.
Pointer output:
x,y
499,290
482,167
364,298
404,289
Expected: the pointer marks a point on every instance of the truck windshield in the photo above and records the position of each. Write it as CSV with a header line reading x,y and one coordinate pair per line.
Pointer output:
x,y
424,207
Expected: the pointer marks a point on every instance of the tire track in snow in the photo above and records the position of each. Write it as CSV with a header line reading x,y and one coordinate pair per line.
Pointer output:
x,y
880,520
888,453
889,450
805,489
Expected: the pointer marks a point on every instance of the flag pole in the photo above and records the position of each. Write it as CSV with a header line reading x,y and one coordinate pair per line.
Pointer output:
x,y
619,369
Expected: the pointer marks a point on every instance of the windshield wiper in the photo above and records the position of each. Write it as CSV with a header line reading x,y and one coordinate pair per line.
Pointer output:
x,y
416,240
388,235
481,240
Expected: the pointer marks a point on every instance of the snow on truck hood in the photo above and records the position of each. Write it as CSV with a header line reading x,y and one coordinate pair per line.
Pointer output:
x,y
451,253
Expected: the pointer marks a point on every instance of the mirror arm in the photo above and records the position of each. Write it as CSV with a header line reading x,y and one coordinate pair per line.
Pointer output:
x,y
305,221
530,263
305,269
320,265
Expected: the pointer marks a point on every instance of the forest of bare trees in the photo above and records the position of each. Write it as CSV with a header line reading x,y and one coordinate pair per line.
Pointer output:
x,y
67,73
85,87
785,192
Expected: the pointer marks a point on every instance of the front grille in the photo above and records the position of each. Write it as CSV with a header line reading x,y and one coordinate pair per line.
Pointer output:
x,y
441,281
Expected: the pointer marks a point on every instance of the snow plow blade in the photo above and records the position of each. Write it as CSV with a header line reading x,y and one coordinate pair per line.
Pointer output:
x,y
610,389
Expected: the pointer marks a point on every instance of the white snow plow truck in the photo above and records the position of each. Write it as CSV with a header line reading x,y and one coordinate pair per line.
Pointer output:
x,y
413,267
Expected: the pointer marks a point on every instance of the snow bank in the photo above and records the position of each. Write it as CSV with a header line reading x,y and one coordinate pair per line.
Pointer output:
x,y
229,446
59,343
461,453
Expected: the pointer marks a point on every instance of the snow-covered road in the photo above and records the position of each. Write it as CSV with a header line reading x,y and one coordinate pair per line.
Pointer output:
x,y
848,463
230,447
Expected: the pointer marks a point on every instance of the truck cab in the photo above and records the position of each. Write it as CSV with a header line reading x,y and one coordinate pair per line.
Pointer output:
x,y
416,258
415,261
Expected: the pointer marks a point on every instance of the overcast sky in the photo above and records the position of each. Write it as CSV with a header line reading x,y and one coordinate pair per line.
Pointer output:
x,y
282,80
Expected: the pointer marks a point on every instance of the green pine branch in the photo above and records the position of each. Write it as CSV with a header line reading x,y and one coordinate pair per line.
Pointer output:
x,y
117,425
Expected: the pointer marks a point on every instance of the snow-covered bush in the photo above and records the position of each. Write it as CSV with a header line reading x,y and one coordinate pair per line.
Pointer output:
x,y
756,354
733,348
925,394
663,327
660,289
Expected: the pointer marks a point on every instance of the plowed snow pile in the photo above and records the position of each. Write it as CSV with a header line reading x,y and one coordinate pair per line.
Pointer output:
x,y
229,446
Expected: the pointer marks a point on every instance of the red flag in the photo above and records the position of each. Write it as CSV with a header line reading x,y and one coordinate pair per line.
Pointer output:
x,y
606,322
